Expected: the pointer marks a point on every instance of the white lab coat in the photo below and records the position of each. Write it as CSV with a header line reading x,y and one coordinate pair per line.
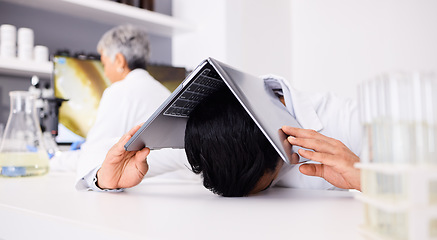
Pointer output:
x,y
325,113
123,105
127,103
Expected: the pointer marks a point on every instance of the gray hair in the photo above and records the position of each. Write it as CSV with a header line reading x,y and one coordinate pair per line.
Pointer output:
x,y
132,42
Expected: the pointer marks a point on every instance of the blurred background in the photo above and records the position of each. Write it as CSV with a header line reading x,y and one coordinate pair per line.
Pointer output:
x,y
317,45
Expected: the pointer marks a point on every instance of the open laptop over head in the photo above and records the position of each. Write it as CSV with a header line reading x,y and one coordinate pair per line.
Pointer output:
x,y
166,127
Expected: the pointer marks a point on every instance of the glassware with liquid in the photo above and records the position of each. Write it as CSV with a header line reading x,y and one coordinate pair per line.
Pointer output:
x,y
22,151
398,165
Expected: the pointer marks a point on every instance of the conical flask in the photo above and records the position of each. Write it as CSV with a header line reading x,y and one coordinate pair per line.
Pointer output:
x,y
22,151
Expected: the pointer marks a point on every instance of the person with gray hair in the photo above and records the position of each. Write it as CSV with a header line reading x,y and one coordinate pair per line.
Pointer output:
x,y
126,41
132,96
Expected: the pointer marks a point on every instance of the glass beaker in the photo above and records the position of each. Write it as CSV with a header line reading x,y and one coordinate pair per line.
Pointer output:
x,y
22,151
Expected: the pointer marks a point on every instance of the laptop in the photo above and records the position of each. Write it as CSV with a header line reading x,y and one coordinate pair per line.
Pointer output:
x,y
166,127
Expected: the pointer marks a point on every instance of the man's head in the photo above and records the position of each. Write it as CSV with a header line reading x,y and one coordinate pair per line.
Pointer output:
x,y
224,144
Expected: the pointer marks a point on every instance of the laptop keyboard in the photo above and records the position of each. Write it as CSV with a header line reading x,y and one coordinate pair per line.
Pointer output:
x,y
206,83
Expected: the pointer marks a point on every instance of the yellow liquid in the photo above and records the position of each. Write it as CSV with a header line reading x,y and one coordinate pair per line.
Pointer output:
x,y
22,164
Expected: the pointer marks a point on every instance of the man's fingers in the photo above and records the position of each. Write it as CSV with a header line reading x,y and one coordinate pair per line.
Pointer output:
x,y
133,130
129,134
141,161
125,138
320,157
303,133
295,158
312,169
315,144
142,154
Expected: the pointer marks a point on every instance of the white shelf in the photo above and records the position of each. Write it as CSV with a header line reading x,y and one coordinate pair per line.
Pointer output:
x,y
20,68
113,13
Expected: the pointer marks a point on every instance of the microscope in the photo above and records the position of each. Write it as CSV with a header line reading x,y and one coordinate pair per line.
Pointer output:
x,y
47,106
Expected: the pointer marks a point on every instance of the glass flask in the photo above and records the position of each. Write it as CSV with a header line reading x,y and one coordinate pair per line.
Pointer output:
x,y
22,151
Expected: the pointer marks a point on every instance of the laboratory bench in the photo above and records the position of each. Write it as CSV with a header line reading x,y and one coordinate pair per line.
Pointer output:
x,y
49,207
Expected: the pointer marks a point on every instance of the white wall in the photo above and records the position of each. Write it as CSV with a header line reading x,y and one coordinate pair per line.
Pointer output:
x,y
339,43
319,45
259,36
209,39
252,35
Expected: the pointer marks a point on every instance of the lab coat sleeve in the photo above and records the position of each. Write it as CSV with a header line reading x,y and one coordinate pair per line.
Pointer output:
x,y
89,182
91,158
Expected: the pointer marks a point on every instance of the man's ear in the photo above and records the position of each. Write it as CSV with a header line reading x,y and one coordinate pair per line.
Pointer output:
x,y
120,61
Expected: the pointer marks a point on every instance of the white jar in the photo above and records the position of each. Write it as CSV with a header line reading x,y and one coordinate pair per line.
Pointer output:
x,y
25,37
41,53
7,50
8,34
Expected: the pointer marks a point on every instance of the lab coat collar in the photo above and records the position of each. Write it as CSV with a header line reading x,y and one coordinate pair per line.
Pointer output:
x,y
137,72
302,107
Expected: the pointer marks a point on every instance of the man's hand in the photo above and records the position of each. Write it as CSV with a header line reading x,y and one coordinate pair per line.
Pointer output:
x,y
123,169
337,161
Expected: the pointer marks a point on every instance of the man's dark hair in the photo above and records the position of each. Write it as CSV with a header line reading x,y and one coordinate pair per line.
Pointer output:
x,y
224,144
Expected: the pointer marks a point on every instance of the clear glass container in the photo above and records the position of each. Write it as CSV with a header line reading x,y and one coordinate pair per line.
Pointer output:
x,y
393,225
387,187
433,228
399,115
22,151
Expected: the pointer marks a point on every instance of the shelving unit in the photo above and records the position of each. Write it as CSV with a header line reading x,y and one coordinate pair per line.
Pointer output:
x,y
113,13
20,68
102,11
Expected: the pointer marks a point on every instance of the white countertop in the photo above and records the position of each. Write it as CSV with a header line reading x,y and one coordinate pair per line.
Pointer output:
x,y
49,207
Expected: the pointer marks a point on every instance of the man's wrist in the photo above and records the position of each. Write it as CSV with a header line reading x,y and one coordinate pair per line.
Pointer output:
x,y
96,182
100,184
104,188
